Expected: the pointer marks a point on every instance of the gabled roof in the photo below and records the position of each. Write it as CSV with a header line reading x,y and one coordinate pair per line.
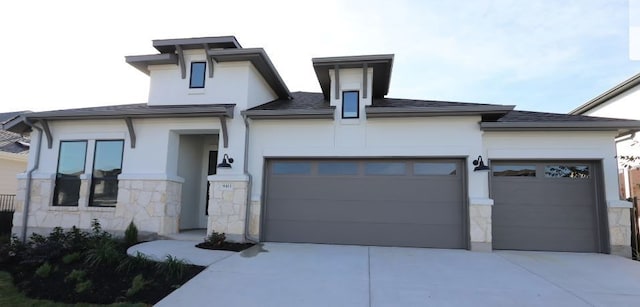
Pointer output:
x,y
608,95
381,64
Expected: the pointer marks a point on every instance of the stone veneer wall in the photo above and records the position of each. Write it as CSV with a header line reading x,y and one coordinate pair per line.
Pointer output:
x,y
153,205
480,227
227,206
620,231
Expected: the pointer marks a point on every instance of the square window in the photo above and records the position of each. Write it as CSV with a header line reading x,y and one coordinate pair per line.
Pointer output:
x,y
197,74
350,105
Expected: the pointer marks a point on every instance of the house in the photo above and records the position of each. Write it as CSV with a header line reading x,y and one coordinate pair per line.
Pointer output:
x,y
14,150
223,144
621,101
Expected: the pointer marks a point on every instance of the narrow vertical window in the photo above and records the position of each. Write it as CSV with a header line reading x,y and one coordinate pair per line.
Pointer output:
x,y
71,160
197,74
107,165
350,107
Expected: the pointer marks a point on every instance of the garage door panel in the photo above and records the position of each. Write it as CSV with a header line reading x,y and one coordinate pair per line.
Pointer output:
x,y
386,234
547,215
544,191
544,239
375,212
542,212
371,208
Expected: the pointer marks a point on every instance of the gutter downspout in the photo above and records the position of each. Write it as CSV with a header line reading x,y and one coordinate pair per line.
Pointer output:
x,y
27,197
247,218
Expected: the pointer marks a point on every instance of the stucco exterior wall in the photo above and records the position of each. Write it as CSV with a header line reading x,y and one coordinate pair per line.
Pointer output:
x,y
9,169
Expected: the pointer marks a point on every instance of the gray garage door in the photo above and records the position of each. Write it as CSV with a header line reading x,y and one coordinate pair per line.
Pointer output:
x,y
547,206
368,202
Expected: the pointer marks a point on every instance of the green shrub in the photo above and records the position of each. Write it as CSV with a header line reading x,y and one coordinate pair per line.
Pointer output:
x,y
130,263
75,276
71,258
44,270
216,239
131,235
84,286
172,268
137,284
105,252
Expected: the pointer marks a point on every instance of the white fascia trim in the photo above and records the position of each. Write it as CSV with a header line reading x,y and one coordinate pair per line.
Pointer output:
x,y
477,201
618,203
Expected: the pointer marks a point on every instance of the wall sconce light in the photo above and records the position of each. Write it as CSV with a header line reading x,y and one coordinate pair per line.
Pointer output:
x,y
226,161
480,165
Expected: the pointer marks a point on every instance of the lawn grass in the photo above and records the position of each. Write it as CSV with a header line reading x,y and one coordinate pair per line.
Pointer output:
x,y
10,296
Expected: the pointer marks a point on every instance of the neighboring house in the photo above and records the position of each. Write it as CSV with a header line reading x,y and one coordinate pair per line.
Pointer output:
x,y
223,144
14,151
621,101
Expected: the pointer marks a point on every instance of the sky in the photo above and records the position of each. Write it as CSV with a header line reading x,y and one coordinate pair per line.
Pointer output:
x,y
549,56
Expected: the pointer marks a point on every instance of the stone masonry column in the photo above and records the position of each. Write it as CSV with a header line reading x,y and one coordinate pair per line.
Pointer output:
x,y
480,224
620,228
228,205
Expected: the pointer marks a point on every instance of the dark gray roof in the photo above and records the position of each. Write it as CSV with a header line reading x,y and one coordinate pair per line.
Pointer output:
x,y
13,143
169,45
528,116
608,95
4,117
139,110
299,100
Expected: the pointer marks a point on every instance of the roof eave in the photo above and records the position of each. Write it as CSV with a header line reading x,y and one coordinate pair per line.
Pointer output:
x,y
608,95
380,88
561,126
380,112
260,60
290,114
142,62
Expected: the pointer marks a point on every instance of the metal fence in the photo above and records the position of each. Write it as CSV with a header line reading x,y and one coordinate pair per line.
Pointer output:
x,y
635,231
7,202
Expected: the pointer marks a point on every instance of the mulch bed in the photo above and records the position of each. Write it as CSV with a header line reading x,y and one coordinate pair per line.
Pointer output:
x,y
225,246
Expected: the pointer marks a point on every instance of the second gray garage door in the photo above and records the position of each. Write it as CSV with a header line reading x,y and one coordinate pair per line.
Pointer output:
x,y
404,202
547,206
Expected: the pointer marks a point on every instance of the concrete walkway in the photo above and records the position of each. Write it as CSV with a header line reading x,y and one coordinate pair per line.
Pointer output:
x,y
183,250
280,274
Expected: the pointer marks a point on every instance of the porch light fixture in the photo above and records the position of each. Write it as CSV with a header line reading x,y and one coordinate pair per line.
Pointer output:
x,y
480,165
226,161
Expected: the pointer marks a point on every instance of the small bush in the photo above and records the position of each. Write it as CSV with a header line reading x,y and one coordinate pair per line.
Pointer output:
x,y
129,264
137,284
172,268
75,276
44,270
131,235
105,252
84,286
71,258
216,238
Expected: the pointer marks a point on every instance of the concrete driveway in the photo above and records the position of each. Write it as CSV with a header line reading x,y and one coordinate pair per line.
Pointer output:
x,y
283,274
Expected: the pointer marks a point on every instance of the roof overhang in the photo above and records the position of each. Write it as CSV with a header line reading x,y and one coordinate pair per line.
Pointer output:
x,y
258,57
290,114
169,45
142,62
382,65
379,112
18,124
608,95
622,127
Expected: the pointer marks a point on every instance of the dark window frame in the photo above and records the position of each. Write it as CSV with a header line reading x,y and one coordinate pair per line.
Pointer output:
x,y
58,180
357,105
204,74
94,178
